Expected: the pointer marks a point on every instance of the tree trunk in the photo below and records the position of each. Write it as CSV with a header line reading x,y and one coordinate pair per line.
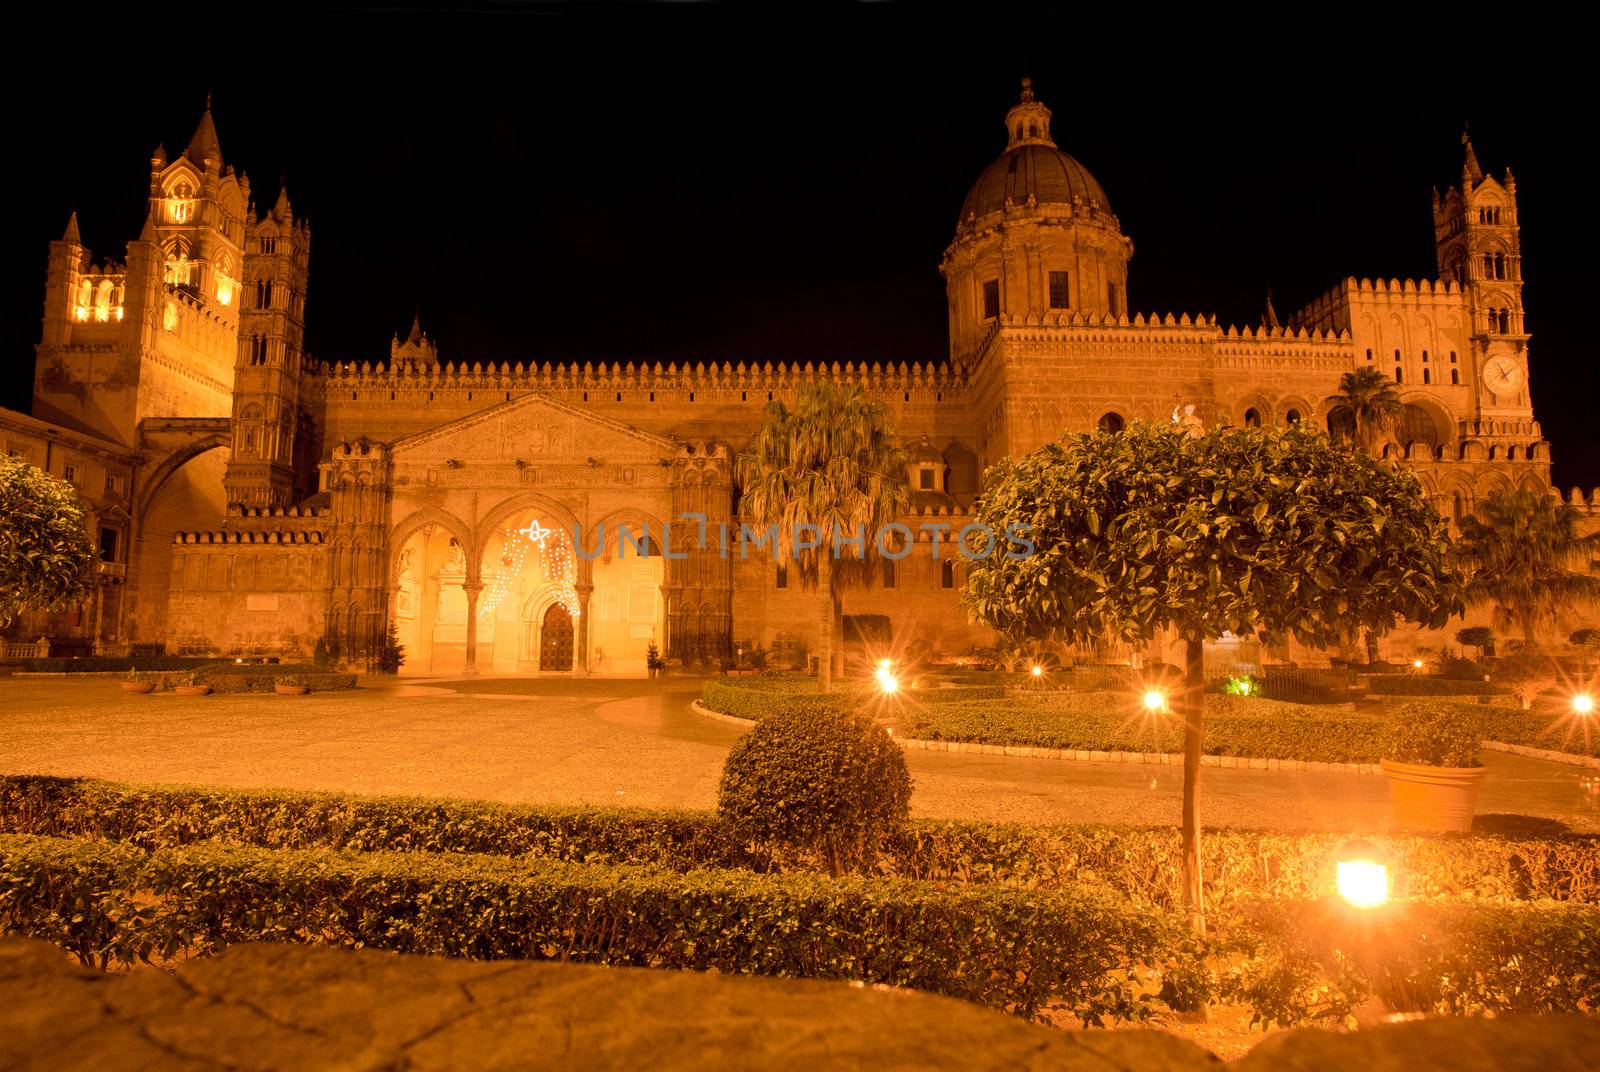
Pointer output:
x,y
1191,707
1529,641
825,636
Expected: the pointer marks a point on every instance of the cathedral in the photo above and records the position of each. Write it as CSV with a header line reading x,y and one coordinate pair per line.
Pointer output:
x,y
248,500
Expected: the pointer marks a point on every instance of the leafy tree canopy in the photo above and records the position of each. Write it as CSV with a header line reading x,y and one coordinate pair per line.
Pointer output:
x,y
1237,530
46,556
1528,558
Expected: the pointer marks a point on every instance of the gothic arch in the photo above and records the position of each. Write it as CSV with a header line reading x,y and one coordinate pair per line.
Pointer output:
x,y
637,520
421,519
171,464
518,501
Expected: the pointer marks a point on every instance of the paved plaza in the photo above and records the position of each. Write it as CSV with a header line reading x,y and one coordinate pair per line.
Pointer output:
x,y
636,743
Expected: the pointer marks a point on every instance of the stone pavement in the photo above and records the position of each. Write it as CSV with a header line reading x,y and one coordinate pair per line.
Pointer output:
x,y
627,742
265,1008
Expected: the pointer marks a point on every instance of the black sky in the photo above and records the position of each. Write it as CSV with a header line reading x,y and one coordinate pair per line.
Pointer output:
x,y
678,181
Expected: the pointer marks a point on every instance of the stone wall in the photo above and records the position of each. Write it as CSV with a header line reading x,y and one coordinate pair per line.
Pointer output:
x,y
247,593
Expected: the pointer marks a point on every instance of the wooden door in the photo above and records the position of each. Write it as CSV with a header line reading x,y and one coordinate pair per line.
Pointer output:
x,y
555,639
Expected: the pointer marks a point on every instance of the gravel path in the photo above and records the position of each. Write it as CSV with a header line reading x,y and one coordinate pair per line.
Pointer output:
x,y
616,742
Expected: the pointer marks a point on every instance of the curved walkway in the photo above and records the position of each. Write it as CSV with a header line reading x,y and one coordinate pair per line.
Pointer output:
x,y
626,742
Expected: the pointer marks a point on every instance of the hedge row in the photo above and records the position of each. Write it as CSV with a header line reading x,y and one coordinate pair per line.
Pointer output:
x,y
1015,949
1117,722
1420,685
758,702
1141,865
1078,949
95,664
1551,725
1310,960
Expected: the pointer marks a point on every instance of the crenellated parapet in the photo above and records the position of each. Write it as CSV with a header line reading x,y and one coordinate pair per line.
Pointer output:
x,y
241,536
1588,505
548,376
1330,311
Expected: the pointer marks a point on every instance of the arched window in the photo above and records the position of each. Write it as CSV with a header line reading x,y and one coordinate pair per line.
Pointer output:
x,y
1252,418
1457,508
1455,376
1399,374
1112,422
1416,426
1292,417
947,573
1427,375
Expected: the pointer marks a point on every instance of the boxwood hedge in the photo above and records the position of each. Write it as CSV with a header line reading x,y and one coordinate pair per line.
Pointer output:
x,y
1022,950
1423,685
1140,864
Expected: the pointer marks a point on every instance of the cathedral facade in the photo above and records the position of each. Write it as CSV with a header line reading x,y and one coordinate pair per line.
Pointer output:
x,y
250,500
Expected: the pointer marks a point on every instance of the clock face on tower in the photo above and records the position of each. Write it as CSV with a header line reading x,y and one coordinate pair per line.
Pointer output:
x,y
1502,374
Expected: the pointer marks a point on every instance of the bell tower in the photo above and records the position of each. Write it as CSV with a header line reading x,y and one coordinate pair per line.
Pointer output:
x,y
268,367
1479,248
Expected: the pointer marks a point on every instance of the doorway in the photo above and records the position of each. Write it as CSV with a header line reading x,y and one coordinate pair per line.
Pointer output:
x,y
555,639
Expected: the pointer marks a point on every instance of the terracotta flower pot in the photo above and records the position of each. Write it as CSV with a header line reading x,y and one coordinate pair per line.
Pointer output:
x,y
193,690
1432,798
140,687
291,690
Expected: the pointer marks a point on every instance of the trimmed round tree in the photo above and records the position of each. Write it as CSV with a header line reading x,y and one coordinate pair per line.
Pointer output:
x,y
1239,530
818,779
46,556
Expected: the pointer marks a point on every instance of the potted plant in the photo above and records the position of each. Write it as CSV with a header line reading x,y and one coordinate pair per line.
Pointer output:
x,y
652,659
291,685
135,682
191,685
1430,759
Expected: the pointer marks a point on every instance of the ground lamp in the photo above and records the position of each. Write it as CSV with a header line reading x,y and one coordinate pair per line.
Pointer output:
x,y
1362,875
1583,704
886,679
1155,701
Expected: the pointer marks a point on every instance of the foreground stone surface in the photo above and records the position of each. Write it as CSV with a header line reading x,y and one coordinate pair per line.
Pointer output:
x,y
270,1007
295,1007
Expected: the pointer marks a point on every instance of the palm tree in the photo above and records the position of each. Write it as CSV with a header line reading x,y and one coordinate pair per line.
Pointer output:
x,y
1373,404
1527,557
830,466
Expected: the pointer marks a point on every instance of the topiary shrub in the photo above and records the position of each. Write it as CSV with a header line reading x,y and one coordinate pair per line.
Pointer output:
x,y
820,783
1526,674
1433,735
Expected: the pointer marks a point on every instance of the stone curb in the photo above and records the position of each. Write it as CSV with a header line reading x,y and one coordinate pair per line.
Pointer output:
x,y
1158,759
1543,753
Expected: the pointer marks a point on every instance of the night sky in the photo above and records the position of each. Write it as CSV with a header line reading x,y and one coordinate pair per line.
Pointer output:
x,y
695,182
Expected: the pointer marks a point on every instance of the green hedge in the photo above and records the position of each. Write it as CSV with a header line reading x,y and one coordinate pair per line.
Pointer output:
x,y
758,698
1551,725
1117,722
1140,864
1015,949
1321,958
254,677
1419,685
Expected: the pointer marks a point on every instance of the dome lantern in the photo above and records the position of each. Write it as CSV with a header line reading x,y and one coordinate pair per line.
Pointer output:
x,y
1028,121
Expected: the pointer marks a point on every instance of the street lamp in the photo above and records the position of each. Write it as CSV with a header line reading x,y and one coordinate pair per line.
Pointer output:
x,y
1583,704
886,679
1037,671
1155,700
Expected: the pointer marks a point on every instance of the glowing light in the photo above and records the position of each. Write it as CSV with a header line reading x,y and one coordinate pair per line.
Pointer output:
x,y
1363,883
81,312
1583,704
1038,671
1155,700
1416,664
560,569
886,679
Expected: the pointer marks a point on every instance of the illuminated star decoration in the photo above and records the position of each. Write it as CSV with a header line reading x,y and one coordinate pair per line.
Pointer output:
x,y
560,567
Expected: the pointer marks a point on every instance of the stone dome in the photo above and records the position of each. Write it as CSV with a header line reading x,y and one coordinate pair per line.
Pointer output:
x,y
1035,170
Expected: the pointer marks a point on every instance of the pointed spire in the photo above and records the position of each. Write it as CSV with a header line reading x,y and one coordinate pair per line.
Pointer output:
x,y
416,335
1028,121
1270,318
147,233
71,233
204,145
1470,166
281,207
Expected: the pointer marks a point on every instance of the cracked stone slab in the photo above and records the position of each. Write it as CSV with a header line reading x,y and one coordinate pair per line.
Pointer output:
x,y
266,1008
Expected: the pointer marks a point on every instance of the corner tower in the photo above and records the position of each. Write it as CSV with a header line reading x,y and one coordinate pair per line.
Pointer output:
x,y
270,359
1036,235
1478,243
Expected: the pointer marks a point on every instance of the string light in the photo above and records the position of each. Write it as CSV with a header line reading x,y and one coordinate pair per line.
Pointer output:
x,y
560,567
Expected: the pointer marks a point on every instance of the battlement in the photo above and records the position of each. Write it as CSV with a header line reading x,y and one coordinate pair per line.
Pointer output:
x,y
276,511
236,537
1589,505
1330,310
546,376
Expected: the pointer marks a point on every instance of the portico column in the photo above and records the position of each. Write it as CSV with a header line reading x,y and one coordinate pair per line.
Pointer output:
x,y
584,591
472,588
